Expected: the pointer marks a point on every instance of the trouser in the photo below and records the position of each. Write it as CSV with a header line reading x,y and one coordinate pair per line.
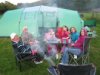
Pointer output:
x,y
65,56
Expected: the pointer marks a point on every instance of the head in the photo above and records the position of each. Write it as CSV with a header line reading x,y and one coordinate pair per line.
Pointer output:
x,y
25,29
65,28
14,37
72,29
83,32
51,31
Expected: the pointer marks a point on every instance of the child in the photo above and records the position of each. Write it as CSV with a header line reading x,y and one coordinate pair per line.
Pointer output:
x,y
74,34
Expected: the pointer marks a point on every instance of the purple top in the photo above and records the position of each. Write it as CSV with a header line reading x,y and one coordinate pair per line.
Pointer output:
x,y
79,42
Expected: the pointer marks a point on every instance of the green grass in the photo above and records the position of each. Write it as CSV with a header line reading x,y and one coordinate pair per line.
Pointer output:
x,y
8,66
95,49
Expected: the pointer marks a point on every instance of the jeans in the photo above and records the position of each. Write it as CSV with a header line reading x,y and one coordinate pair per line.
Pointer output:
x,y
65,56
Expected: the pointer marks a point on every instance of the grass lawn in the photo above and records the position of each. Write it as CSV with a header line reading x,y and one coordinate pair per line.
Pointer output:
x,y
8,65
95,50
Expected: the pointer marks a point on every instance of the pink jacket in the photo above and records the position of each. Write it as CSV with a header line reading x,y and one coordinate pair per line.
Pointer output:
x,y
79,42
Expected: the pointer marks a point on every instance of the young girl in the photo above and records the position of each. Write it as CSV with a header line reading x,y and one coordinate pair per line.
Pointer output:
x,y
74,35
65,37
76,48
65,33
49,39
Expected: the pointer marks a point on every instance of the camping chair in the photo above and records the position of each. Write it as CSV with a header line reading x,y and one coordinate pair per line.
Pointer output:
x,y
87,69
90,23
83,58
20,57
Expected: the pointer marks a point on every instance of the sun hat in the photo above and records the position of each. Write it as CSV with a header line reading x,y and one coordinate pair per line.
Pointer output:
x,y
13,35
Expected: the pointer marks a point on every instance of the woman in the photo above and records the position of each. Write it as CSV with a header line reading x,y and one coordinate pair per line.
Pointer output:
x,y
49,39
65,32
65,37
76,48
74,35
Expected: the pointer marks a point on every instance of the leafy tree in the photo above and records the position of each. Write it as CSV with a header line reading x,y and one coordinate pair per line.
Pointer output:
x,y
6,6
2,8
81,5
9,6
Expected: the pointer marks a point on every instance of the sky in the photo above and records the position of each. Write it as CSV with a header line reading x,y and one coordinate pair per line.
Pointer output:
x,y
19,1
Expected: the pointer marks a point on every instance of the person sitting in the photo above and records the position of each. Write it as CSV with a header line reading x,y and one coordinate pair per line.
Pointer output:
x,y
76,48
62,33
74,35
50,56
24,48
50,39
59,32
65,32
50,35
19,45
65,38
26,36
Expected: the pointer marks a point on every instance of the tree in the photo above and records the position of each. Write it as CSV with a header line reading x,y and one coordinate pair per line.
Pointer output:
x,y
81,5
2,8
6,6
9,6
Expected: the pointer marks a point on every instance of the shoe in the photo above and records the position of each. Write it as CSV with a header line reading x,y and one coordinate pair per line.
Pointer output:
x,y
52,71
38,62
57,56
41,61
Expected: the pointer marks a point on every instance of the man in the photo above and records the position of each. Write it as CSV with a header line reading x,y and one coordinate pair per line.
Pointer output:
x,y
25,49
19,45
26,36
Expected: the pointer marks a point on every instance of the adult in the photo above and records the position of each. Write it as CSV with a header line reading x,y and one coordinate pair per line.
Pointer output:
x,y
76,48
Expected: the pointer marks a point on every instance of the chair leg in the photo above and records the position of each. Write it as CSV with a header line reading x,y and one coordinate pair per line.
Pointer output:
x,y
72,60
16,61
85,60
19,65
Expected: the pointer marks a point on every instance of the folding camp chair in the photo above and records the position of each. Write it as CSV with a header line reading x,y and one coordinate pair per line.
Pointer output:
x,y
83,58
87,69
20,57
90,23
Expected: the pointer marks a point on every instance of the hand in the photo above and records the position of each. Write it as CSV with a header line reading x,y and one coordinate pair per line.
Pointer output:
x,y
64,38
31,43
72,44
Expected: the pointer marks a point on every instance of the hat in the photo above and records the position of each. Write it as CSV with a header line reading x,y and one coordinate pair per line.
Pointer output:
x,y
13,35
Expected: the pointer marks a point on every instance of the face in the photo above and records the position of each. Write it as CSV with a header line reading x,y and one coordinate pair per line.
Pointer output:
x,y
25,30
51,30
73,30
82,33
65,29
16,38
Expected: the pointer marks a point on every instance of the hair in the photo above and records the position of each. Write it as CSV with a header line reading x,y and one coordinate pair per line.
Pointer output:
x,y
85,32
25,27
66,27
71,29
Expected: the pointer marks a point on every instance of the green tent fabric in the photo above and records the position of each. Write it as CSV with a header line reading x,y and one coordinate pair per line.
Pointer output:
x,y
0,16
36,17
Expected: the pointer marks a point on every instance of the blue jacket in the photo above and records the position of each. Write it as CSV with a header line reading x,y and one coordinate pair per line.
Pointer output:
x,y
74,36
